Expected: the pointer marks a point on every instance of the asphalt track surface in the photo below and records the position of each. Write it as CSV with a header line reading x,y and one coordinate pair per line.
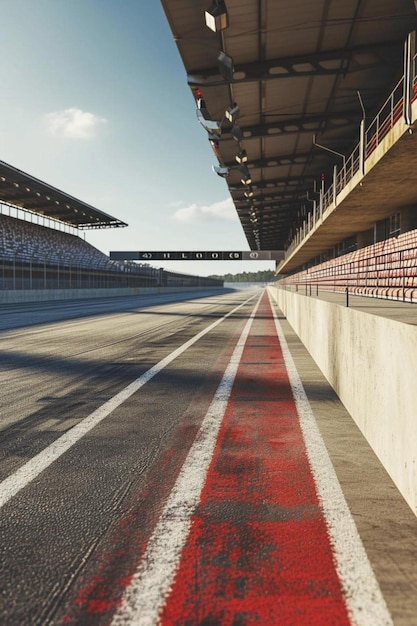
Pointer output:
x,y
160,462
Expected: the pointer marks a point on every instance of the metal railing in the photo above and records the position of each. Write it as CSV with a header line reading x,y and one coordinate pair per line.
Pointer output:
x,y
20,274
385,120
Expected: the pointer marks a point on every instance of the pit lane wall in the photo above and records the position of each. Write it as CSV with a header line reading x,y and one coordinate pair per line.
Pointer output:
x,y
46,295
371,363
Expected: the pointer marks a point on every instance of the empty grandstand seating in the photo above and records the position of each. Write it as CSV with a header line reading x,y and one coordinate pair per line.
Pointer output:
x,y
27,241
37,257
387,269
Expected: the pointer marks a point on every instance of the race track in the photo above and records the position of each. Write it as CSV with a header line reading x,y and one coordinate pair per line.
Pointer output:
x,y
160,463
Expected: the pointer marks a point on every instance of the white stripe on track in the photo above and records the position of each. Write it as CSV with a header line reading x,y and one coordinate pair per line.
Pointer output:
x,y
30,470
145,596
364,600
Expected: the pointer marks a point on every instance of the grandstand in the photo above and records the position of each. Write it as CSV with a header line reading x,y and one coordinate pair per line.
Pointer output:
x,y
32,242
41,248
310,110
387,269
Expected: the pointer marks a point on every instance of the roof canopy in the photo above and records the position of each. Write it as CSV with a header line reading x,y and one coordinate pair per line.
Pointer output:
x,y
281,88
22,190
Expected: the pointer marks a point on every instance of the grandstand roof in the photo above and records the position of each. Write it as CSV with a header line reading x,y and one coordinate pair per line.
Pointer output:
x,y
27,192
302,74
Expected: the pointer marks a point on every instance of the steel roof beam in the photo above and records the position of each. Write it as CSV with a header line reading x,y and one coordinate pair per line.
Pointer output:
x,y
259,201
283,208
273,183
285,159
325,63
299,193
297,125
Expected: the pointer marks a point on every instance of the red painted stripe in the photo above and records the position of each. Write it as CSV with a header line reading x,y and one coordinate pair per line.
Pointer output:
x,y
98,590
258,551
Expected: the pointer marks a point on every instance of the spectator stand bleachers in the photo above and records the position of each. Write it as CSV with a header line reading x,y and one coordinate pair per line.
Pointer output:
x,y
387,269
67,261
37,257
31,242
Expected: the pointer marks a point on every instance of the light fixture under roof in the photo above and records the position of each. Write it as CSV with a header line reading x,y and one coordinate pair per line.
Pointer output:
x,y
237,133
223,172
226,68
201,106
242,157
211,126
216,16
232,113
246,179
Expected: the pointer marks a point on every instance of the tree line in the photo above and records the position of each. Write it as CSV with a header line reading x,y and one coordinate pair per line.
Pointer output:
x,y
262,276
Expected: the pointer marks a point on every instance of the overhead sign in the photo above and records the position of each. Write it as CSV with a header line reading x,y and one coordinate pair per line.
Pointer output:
x,y
217,255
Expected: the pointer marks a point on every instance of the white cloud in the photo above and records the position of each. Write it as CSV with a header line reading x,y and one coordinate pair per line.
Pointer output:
x,y
74,123
195,213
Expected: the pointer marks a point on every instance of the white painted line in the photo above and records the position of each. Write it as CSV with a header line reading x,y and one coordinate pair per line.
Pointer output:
x,y
364,600
25,474
144,598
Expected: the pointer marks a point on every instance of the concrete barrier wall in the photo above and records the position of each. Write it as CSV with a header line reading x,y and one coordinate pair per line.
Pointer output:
x,y
371,363
46,295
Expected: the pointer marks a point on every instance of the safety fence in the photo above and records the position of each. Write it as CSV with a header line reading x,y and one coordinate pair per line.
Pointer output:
x,y
18,274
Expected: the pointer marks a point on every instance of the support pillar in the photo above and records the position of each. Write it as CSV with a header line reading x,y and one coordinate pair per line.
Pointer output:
x,y
409,53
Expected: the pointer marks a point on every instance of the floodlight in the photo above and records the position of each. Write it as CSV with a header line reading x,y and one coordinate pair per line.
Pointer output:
x,y
237,133
232,113
223,172
242,157
246,180
216,16
211,126
226,68
248,194
201,105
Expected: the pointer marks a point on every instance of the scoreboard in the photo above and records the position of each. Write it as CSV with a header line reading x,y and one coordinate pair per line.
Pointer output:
x,y
215,255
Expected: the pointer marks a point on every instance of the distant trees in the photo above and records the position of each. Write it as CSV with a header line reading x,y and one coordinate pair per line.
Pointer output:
x,y
262,276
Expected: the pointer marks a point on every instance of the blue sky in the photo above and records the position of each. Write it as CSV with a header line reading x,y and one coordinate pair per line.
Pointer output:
x,y
95,102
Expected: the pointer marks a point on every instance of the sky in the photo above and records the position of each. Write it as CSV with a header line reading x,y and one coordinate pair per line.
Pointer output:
x,y
95,102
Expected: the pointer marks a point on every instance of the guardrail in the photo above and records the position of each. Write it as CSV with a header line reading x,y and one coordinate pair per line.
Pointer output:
x,y
398,294
385,120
